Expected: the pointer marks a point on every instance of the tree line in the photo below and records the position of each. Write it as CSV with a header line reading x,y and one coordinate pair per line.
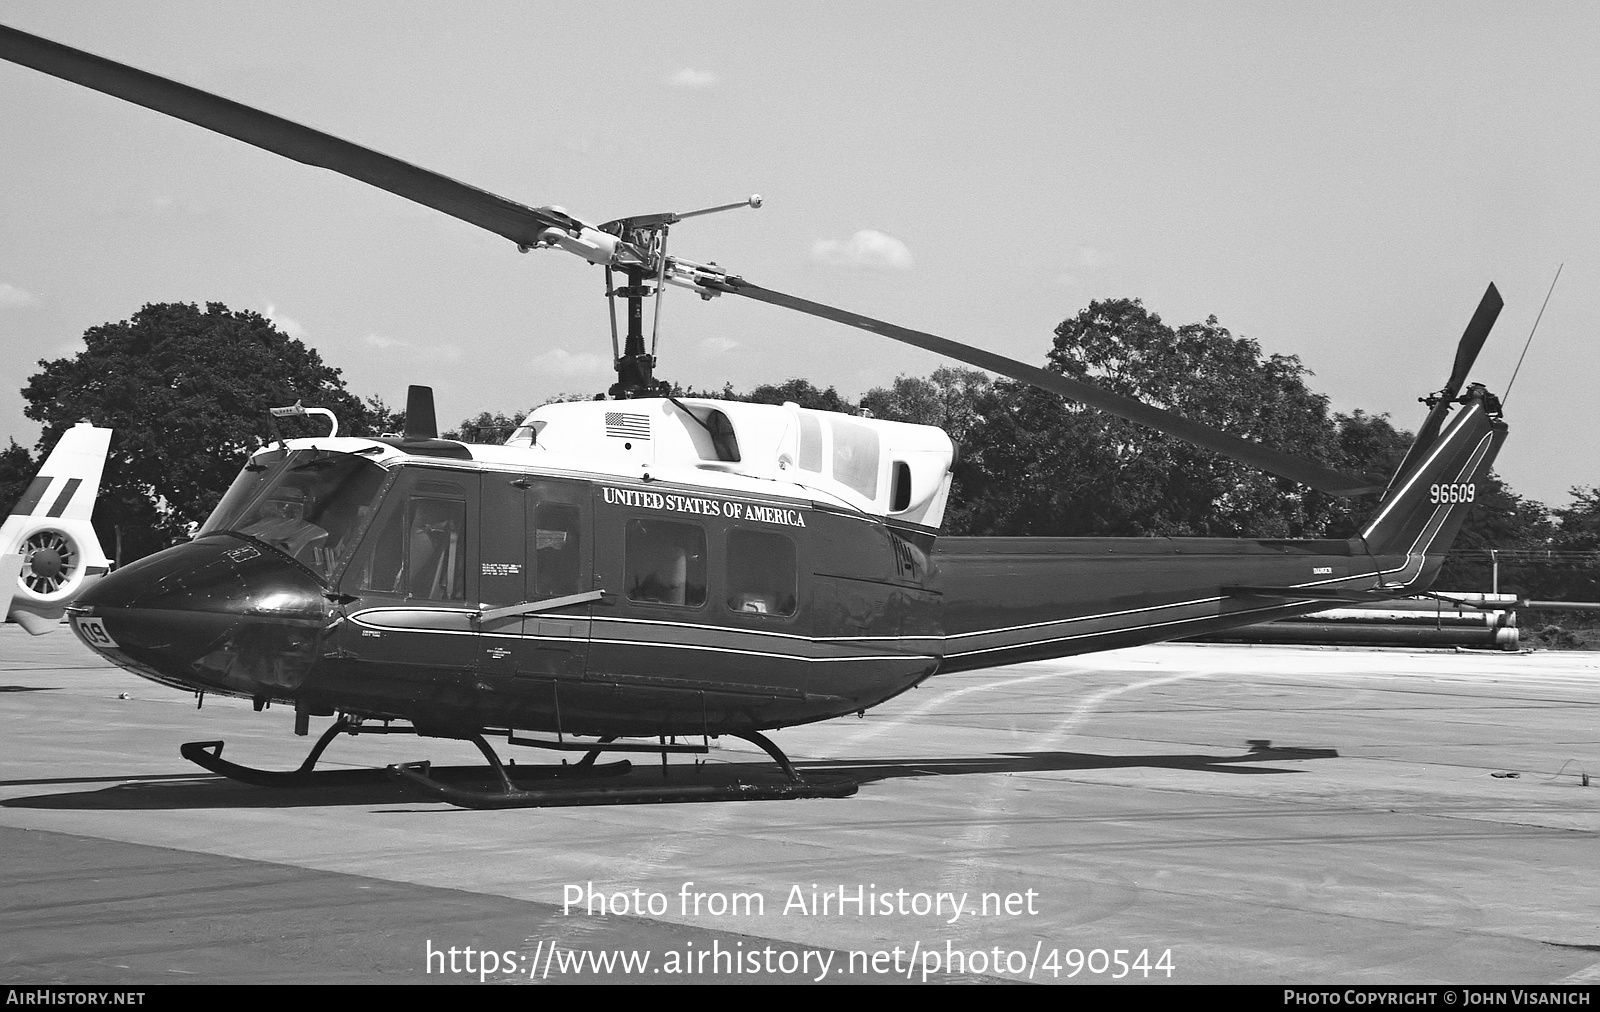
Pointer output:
x,y
187,391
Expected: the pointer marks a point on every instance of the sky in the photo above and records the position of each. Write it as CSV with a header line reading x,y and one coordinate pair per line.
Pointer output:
x,y
1338,182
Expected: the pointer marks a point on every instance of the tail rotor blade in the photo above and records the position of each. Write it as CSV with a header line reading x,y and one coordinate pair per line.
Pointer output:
x,y
1472,339
1467,349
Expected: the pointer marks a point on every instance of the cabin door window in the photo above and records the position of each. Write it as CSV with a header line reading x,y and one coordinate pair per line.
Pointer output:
x,y
412,580
419,551
666,563
534,548
557,550
762,573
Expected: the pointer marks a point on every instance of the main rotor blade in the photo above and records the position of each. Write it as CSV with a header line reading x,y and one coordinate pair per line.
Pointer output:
x,y
1306,472
517,222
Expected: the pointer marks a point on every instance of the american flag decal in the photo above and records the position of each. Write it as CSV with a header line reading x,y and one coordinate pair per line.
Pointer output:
x,y
626,425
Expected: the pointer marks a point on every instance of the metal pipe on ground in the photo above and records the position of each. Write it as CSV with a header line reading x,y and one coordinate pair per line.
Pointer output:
x,y
1376,634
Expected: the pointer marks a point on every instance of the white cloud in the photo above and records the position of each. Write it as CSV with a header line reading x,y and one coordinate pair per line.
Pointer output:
x,y
561,362
688,77
162,204
1087,258
12,297
717,345
867,248
436,353
288,324
414,352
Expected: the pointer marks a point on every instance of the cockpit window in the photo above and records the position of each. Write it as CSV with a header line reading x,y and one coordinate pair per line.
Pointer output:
x,y
311,504
262,470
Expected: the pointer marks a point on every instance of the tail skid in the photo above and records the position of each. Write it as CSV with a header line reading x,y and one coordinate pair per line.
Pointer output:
x,y
49,552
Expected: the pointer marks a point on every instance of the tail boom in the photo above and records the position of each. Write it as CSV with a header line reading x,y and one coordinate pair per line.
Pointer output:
x,y
1008,600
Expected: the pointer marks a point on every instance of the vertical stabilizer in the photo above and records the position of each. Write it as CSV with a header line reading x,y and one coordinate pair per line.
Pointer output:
x,y
1429,498
48,549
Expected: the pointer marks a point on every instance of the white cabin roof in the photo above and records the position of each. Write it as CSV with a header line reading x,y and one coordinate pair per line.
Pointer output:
x,y
891,469
888,469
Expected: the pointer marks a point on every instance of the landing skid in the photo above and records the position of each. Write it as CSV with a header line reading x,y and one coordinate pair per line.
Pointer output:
x,y
510,795
208,754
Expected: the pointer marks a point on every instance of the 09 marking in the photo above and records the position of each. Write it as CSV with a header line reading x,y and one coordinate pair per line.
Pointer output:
x,y
1452,493
94,632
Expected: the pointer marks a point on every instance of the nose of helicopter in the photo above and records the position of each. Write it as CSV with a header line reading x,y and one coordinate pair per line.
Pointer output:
x,y
217,614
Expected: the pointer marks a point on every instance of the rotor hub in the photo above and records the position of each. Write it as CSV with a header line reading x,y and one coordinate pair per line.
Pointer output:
x,y
46,563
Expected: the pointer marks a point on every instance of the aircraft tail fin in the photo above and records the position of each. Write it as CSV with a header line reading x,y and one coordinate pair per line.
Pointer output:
x,y
48,549
69,480
1428,500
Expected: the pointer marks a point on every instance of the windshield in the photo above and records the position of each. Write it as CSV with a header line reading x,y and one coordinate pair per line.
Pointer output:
x,y
311,504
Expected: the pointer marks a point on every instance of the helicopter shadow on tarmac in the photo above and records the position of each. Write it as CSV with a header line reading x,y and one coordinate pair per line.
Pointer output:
x,y
358,787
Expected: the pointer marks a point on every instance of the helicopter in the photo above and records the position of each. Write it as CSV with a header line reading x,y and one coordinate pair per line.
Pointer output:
x,y
661,567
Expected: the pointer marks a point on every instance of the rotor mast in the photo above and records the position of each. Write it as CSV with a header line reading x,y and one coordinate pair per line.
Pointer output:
x,y
635,367
645,238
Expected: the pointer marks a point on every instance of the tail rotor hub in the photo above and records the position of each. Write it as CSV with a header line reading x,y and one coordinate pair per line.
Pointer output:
x,y
50,563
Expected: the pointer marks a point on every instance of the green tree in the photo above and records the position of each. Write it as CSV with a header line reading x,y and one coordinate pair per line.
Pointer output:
x,y
1501,523
1572,569
16,471
1365,444
487,427
803,393
1041,466
1580,522
948,398
1031,465
187,393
